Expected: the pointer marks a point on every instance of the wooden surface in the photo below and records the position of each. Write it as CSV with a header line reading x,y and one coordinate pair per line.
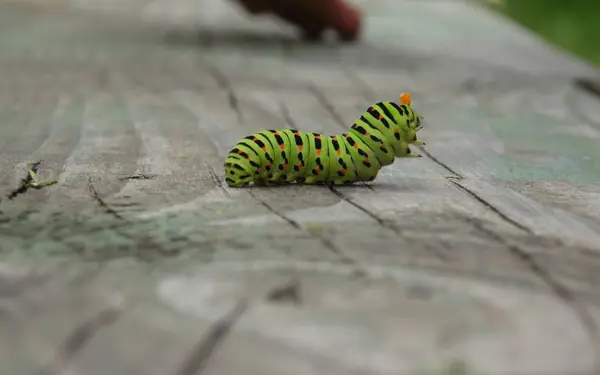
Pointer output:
x,y
481,258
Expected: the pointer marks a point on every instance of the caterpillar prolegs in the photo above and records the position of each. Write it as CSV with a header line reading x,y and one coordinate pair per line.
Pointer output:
x,y
379,136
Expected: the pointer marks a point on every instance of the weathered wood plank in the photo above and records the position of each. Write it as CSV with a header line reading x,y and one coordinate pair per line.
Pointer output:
x,y
104,149
384,299
413,273
209,292
171,168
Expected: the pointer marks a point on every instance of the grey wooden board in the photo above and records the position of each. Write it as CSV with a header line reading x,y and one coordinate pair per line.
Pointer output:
x,y
481,257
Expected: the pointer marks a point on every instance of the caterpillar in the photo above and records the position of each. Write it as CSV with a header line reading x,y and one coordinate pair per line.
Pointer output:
x,y
277,156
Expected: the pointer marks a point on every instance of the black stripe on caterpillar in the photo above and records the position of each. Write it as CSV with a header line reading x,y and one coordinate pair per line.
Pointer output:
x,y
381,134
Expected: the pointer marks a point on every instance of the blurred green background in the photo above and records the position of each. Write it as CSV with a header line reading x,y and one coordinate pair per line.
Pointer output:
x,y
571,24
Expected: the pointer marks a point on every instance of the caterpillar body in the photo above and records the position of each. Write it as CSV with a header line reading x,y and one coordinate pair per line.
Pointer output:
x,y
379,136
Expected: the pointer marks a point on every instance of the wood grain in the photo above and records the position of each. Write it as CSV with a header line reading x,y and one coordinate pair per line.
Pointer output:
x,y
481,257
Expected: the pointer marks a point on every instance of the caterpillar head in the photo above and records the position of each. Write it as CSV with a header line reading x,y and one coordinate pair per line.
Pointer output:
x,y
238,172
415,120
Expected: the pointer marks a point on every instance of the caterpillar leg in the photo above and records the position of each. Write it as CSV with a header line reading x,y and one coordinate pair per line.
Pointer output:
x,y
416,141
410,154
261,182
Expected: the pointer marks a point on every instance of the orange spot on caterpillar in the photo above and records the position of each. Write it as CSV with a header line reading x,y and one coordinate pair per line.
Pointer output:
x,y
276,133
339,151
300,148
299,165
318,169
319,151
343,171
381,117
255,139
282,146
405,98
356,146
318,137
367,133
264,149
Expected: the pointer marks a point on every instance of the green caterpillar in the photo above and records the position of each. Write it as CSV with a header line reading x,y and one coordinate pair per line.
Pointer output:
x,y
380,135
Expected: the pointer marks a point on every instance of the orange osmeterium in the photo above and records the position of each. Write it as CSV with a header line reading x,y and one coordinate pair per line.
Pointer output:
x,y
405,98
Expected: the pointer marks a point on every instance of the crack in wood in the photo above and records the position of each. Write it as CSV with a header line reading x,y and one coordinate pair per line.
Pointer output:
x,y
490,206
138,176
585,318
275,212
365,210
384,223
287,293
196,362
216,180
225,84
454,173
101,202
324,240
78,338
30,181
